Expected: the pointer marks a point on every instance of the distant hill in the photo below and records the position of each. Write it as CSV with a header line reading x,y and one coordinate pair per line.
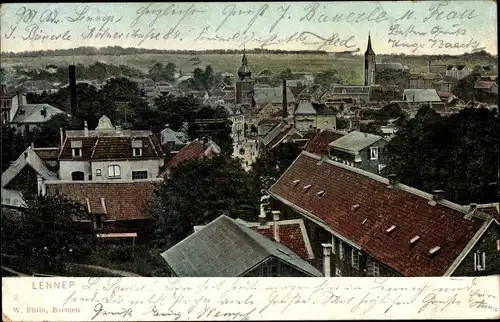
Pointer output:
x,y
117,50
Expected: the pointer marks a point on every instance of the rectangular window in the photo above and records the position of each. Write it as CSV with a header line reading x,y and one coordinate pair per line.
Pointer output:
x,y
114,171
355,258
97,222
341,251
137,152
372,268
479,261
374,153
274,270
77,152
333,246
265,271
338,272
136,175
98,172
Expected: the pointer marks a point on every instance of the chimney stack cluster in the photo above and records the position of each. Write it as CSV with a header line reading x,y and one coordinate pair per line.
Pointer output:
x,y
264,203
276,226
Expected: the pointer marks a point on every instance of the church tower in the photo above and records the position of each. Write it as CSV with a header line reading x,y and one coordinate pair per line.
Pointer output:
x,y
245,83
369,66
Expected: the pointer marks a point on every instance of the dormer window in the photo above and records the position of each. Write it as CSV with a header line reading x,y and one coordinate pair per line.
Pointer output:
x,y
137,148
137,152
76,148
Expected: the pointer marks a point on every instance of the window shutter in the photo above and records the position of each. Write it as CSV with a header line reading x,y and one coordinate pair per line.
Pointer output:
x,y
369,267
369,154
475,261
376,269
341,250
333,245
484,260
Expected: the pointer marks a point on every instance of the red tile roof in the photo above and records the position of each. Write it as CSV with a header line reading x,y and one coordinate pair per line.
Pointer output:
x,y
484,84
123,200
290,235
192,150
490,209
47,154
320,142
112,147
381,207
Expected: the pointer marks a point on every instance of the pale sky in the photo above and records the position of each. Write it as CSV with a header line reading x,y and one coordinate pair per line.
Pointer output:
x,y
469,24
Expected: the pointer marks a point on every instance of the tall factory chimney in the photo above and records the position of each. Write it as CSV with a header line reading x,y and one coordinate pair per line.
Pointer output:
x,y
72,88
285,103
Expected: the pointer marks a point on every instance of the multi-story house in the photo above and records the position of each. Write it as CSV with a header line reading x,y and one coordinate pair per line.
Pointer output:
x,y
308,116
424,81
358,149
109,153
229,248
458,71
22,116
379,227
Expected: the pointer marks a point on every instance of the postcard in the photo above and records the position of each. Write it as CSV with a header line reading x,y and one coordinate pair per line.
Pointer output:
x,y
250,160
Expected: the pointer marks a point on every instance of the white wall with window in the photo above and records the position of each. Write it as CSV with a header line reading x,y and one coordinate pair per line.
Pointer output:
x,y
128,169
67,167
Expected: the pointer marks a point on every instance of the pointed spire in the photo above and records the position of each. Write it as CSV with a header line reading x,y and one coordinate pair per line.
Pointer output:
x,y
369,50
244,60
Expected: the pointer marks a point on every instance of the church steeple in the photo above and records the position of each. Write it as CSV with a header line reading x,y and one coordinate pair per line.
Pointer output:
x,y
244,70
369,49
369,64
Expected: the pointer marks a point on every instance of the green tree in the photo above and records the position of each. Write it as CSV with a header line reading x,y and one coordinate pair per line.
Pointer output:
x,y
270,165
197,192
49,234
464,88
13,144
48,134
328,77
458,154
219,132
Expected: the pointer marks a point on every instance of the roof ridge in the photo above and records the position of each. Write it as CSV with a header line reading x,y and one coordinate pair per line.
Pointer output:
x,y
94,147
154,148
403,187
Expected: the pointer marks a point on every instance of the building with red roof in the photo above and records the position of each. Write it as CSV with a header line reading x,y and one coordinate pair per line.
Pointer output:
x,y
379,227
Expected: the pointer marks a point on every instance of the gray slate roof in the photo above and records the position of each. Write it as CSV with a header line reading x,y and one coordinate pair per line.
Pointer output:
x,y
421,95
305,107
355,141
226,248
33,113
274,132
12,198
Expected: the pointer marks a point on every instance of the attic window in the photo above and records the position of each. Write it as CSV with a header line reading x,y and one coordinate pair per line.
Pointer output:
x,y
137,152
321,193
306,188
296,182
390,229
433,250
414,239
